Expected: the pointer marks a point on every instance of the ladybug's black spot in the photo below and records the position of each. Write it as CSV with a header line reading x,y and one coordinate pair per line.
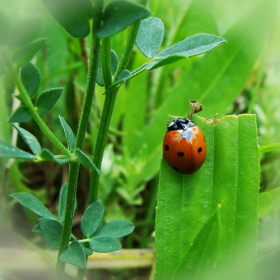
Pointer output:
x,y
180,154
175,168
166,148
199,150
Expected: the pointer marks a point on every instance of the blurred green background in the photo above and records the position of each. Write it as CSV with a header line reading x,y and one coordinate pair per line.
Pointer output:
x,y
237,77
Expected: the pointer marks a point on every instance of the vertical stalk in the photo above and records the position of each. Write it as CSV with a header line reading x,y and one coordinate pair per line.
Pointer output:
x,y
109,103
86,107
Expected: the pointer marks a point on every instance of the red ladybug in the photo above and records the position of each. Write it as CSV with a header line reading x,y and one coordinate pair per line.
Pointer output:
x,y
184,146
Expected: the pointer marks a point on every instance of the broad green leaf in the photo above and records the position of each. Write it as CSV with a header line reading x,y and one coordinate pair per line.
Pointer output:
x,y
47,155
33,204
230,178
150,35
29,139
51,230
69,135
74,255
192,46
201,265
116,229
20,115
62,202
85,160
92,218
9,151
30,77
114,65
118,15
72,15
47,99
26,53
269,202
104,244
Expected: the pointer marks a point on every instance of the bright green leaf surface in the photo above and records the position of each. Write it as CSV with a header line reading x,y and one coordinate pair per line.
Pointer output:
x,y
47,99
74,255
9,151
33,204
30,77
116,229
72,15
21,115
230,178
70,137
92,218
150,35
26,53
85,160
29,139
192,46
52,231
119,15
104,244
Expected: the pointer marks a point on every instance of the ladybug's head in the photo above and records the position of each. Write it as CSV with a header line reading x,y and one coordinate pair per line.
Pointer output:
x,y
180,124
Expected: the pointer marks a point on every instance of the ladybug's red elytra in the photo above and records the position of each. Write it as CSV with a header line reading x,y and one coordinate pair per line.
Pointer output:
x,y
184,146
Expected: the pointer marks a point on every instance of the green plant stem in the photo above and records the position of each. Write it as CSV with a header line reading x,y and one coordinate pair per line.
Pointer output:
x,y
74,167
69,214
106,62
109,103
91,80
33,111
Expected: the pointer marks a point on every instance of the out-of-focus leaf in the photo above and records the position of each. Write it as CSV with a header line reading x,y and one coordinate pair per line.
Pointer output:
x,y
9,151
20,115
73,15
118,15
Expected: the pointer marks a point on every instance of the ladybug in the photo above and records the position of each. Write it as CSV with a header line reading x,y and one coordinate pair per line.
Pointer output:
x,y
184,146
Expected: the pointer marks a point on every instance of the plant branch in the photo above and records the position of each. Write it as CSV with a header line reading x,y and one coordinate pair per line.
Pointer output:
x,y
33,111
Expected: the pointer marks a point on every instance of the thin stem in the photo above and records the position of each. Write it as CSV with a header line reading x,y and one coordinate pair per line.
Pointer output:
x,y
106,62
33,111
91,78
69,214
109,103
74,167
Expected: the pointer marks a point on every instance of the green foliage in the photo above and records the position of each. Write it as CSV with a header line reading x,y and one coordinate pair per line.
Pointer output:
x,y
47,99
33,204
73,15
52,231
85,160
190,230
119,15
30,77
92,218
29,139
9,151
74,255
69,135
104,244
21,115
150,35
